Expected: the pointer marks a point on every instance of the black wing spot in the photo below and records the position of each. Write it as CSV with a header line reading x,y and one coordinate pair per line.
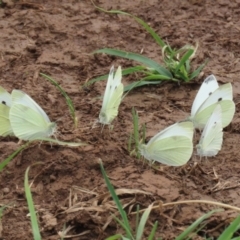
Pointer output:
x,y
3,102
209,79
210,94
220,99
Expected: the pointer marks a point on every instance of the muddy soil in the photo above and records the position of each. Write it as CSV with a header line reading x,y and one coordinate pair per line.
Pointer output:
x,y
57,38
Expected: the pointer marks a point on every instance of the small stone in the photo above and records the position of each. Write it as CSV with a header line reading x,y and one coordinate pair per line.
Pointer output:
x,y
6,190
52,177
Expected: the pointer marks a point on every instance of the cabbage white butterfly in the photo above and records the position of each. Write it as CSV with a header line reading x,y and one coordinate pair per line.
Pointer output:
x,y
212,136
208,96
112,97
27,118
5,104
173,146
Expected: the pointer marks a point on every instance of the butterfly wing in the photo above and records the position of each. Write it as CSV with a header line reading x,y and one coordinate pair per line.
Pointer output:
x,y
212,136
5,97
108,89
20,97
208,86
172,146
28,124
5,126
112,97
184,128
223,96
228,111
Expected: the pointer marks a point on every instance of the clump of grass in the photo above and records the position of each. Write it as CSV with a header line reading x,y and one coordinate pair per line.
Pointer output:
x,y
67,98
177,62
123,222
188,233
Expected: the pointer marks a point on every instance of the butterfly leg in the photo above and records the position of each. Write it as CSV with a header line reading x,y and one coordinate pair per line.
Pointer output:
x,y
95,124
194,167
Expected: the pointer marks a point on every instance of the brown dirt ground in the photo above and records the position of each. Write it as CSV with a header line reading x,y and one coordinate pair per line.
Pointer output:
x,y
56,38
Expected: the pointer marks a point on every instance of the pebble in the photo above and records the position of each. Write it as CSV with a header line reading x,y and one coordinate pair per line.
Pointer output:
x,y
6,190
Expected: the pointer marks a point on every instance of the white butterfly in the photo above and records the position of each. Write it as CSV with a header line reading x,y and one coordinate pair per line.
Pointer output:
x,y
112,97
27,118
173,146
208,96
5,104
212,136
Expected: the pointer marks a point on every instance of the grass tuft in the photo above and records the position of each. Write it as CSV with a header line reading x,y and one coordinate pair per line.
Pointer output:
x,y
177,62
123,222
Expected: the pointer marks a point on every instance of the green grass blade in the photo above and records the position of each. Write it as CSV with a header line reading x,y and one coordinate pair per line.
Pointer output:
x,y
193,226
236,238
198,70
34,222
138,58
157,77
125,71
198,229
2,209
137,217
148,80
187,66
139,83
117,202
69,144
155,36
68,99
121,223
183,60
8,159
139,20
153,231
230,230
114,237
143,221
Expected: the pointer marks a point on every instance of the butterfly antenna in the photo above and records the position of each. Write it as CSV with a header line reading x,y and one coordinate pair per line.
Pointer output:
x,y
179,109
